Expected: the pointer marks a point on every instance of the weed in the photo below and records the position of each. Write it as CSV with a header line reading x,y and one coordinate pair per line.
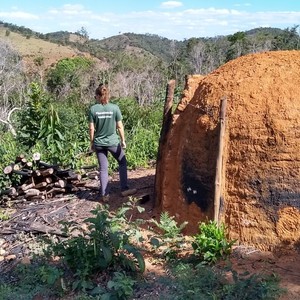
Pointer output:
x,y
123,219
170,239
28,282
104,246
252,287
121,285
168,225
205,283
50,274
4,215
211,243
189,282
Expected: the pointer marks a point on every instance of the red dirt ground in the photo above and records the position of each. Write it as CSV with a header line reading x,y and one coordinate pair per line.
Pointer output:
x,y
285,264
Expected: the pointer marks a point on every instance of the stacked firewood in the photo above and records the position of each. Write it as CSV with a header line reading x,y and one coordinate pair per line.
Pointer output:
x,y
40,180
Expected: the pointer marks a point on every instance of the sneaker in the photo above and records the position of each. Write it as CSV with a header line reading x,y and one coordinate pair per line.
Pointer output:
x,y
128,192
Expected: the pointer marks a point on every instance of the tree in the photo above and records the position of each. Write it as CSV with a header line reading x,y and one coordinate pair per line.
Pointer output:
x,y
83,32
259,43
69,74
197,55
174,65
12,82
238,45
288,39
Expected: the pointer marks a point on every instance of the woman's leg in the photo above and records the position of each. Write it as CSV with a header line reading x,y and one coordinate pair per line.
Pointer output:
x,y
119,154
103,169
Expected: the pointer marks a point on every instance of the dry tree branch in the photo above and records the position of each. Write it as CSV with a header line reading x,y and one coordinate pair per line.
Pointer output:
x,y
7,122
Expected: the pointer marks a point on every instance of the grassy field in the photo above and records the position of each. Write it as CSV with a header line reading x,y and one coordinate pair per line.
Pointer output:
x,y
33,49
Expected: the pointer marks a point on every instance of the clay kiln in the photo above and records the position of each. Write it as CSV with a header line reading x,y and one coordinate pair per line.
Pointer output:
x,y
260,167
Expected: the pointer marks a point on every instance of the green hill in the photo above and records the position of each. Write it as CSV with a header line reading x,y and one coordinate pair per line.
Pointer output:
x,y
51,47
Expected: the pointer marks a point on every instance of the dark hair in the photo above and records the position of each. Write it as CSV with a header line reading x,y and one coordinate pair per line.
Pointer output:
x,y
103,91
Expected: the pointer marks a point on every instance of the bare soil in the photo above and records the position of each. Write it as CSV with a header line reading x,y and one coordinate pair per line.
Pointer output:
x,y
15,248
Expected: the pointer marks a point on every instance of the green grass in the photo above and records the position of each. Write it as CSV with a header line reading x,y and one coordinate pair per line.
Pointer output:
x,y
200,282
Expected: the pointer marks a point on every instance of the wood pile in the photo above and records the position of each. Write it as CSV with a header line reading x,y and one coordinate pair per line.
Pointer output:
x,y
40,180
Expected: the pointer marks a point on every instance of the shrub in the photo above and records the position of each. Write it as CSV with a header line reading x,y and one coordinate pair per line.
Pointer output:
x,y
100,248
211,243
170,239
9,150
67,72
142,128
168,225
31,116
121,286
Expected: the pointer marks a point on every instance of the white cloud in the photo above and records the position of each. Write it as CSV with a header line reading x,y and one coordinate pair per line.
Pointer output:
x,y
243,4
100,18
73,9
174,24
187,23
171,4
210,11
18,15
70,10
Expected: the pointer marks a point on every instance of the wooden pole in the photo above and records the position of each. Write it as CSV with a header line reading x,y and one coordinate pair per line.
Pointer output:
x,y
219,167
169,100
166,123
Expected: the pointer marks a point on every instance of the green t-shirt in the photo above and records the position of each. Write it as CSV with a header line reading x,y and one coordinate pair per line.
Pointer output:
x,y
105,118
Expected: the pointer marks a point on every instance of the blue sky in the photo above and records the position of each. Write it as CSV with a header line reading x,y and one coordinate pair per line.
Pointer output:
x,y
176,20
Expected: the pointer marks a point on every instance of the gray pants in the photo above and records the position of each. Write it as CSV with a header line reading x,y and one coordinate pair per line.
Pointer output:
x,y
119,154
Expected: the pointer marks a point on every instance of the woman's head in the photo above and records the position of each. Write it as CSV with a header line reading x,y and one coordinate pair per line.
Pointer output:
x,y
102,93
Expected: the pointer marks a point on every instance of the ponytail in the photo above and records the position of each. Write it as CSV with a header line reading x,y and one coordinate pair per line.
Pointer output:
x,y
103,91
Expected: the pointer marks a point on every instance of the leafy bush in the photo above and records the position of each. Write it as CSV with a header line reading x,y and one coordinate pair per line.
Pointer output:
x,y
40,128
170,239
67,71
103,246
9,150
50,133
142,128
211,243
31,116
55,129
168,225
73,116
121,285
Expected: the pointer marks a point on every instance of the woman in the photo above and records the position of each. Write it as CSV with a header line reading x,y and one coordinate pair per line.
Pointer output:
x,y
105,120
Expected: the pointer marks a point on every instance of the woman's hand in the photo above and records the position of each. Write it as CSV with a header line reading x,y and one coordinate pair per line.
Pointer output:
x,y
123,145
92,147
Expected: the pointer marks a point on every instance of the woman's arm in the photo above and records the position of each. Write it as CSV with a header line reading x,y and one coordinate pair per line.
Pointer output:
x,y
92,132
120,129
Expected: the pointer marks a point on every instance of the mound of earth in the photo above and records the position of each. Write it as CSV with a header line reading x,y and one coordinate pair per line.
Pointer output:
x,y
260,161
